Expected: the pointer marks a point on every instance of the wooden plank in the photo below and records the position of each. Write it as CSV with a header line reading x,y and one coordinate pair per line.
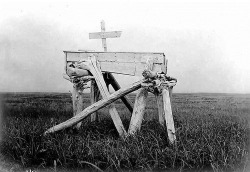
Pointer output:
x,y
168,116
170,93
116,87
139,110
133,69
102,35
94,94
159,101
94,107
119,68
116,56
141,67
164,65
104,43
96,72
156,57
121,63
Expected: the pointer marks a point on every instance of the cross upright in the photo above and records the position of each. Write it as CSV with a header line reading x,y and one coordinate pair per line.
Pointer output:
x,y
103,35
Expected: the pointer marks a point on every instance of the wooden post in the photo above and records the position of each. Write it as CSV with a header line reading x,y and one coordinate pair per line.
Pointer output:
x,y
106,80
116,87
103,35
139,110
140,104
168,115
94,94
170,93
77,98
159,101
94,107
96,72
104,43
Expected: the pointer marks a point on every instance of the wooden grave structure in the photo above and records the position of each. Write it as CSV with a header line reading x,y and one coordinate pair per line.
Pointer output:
x,y
97,67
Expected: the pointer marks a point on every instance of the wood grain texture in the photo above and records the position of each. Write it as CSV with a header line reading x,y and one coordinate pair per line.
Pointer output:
x,y
104,43
127,63
164,65
77,99
96,72
116,87
94,95
94,107
139,110
101,35
170,93
161,116
127,57
168,116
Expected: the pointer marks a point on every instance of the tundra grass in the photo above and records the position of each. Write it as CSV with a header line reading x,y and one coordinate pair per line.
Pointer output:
x,y
212,135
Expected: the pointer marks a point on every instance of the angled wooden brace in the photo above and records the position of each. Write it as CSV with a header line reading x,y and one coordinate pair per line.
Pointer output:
x,y
94,107
96,72
111,80
140,104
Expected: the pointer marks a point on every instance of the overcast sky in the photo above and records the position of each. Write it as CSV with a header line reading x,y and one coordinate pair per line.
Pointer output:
x,y
207,43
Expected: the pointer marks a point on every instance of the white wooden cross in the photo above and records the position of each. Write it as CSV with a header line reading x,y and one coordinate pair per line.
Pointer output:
x,y
103,35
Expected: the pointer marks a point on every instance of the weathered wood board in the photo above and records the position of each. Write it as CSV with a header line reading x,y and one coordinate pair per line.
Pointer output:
x,y
101,35
126,63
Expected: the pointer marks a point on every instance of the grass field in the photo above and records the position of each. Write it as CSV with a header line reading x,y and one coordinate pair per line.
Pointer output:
x,y
212,135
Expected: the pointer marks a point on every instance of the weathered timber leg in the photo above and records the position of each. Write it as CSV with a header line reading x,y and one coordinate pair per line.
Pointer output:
x,y
159,101
170,93
94,107
94,94
106,79
116,87
96,72
168,115
77,99
139,110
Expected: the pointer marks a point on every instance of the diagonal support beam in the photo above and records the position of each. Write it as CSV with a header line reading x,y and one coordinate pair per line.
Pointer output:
x,y
111,80
93,66
96,72
94,107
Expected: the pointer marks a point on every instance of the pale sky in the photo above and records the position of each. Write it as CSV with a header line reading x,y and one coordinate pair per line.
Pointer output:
x,y
207,43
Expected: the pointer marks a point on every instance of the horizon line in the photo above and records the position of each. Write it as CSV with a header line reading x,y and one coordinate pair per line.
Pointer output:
x,y
112,92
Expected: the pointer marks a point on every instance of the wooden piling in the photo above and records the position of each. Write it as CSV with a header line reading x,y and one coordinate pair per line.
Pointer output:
x,y
77,99
139,110
159,101
168,115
